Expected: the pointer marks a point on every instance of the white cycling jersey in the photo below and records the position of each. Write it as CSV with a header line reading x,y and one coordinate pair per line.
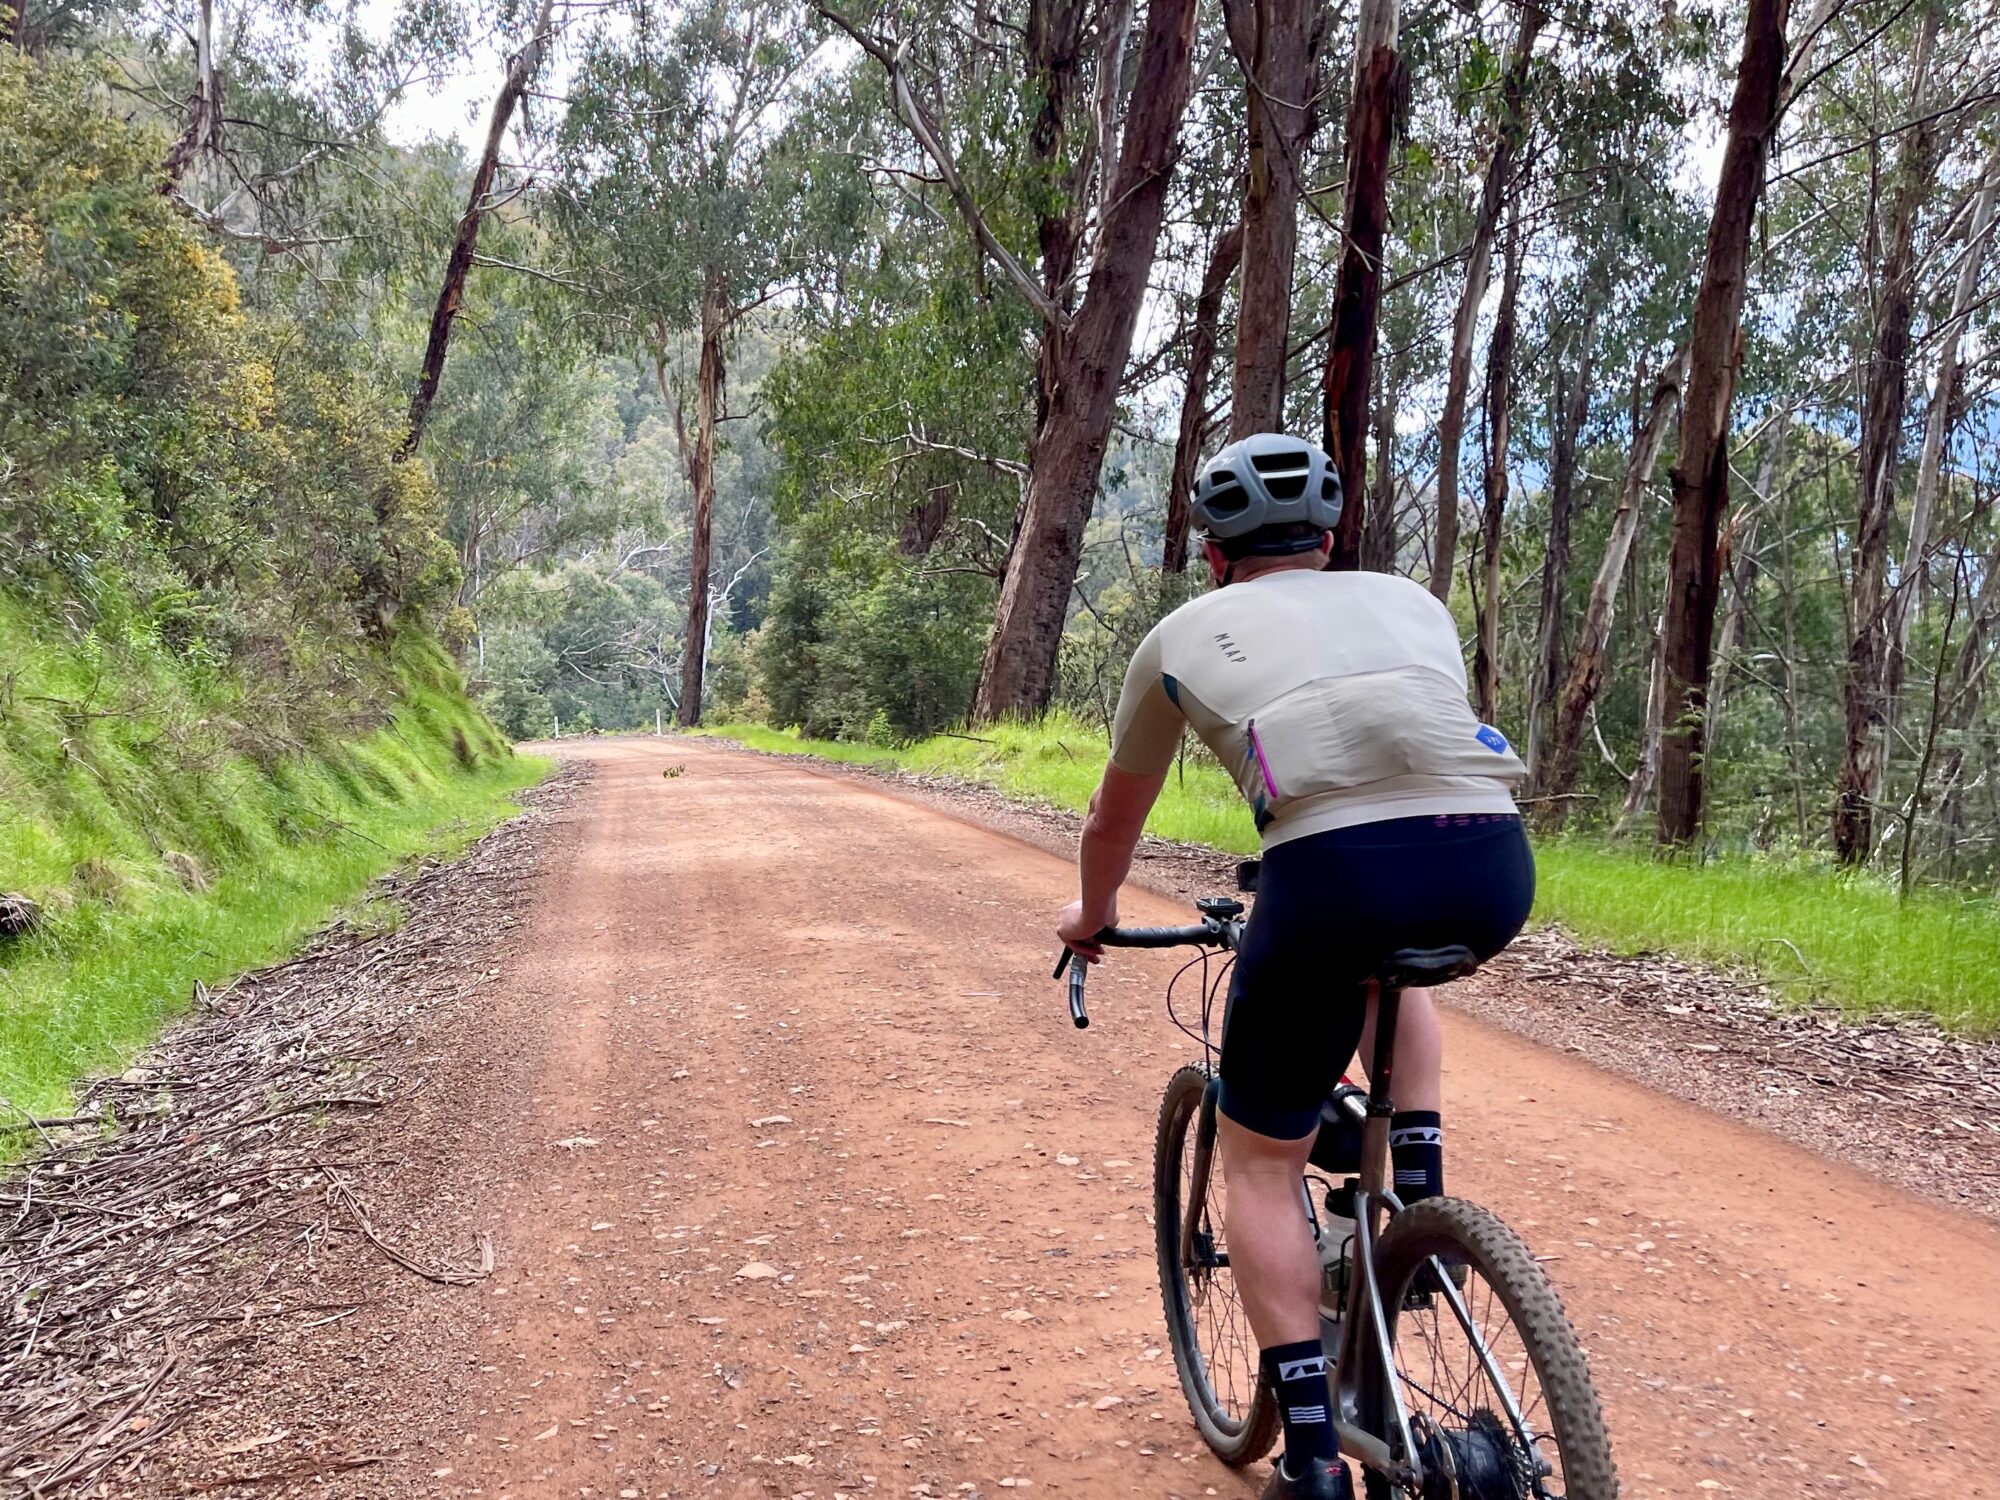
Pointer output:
x,y
1333,698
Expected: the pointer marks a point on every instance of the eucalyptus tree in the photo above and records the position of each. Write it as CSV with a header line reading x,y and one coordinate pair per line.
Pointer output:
x,y
1086,337
680,196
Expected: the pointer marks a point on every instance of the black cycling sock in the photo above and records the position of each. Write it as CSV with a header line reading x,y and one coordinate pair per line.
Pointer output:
x,y
1297,1372
1416,1149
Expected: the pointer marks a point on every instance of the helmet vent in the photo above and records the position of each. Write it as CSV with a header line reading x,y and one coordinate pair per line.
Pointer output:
x,y
1326,486
1285,486
1293,460
1228,499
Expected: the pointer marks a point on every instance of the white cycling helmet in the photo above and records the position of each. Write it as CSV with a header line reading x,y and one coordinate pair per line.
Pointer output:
x,y
1268,479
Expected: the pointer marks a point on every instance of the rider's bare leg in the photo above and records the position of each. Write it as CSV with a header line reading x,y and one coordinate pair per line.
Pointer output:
x,y
1271,1252
1419,1052
1416,1129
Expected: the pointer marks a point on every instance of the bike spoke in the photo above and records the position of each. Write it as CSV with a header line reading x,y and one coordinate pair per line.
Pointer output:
x,y
1227,1348
1451,1391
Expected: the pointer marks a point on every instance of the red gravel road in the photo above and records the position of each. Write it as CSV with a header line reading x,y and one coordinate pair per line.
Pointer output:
x,y
801,1184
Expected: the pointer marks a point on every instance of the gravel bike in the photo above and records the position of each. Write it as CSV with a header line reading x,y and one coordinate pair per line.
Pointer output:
x,y
1455,1372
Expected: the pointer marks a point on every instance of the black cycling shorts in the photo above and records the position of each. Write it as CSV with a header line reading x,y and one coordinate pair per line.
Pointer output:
x,y
1331,907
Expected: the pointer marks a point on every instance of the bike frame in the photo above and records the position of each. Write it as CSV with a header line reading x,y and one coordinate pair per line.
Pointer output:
x,y
1365,1379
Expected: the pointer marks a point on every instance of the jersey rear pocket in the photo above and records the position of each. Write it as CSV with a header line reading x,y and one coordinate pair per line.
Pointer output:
x,y
1335,734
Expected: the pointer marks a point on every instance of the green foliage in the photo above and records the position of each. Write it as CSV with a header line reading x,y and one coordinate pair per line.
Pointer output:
x,y
879,649
1813,933
577,648
225,479
169,838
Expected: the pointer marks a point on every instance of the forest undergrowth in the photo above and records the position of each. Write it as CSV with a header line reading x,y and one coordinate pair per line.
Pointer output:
x,y
163,849
1814,933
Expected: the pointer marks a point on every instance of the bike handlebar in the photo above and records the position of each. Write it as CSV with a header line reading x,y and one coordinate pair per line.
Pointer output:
x,y
1208,932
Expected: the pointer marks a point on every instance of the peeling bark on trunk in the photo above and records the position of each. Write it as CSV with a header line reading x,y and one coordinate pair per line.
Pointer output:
x,y
1193,435
1569,409
1884,400
1508,133
1499,425
203,130
521,69
1018,675
1701,474
1374,116
1275,45
1055,50
1740,545
715,315
1586,671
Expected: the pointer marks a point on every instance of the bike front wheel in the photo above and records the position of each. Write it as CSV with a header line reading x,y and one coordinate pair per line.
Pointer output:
x,y
1499,1397
1214,1348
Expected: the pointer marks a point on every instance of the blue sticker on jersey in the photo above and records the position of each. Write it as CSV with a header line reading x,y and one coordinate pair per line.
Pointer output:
x,y
1492,739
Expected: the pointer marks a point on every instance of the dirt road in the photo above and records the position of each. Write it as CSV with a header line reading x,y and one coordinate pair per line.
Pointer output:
x,y
801,1184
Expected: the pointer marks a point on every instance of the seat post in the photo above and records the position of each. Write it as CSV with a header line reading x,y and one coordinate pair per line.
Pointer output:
x,y
1388,1000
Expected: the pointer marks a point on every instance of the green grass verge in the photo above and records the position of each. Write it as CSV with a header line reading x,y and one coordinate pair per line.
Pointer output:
x,y
162,856
1812,933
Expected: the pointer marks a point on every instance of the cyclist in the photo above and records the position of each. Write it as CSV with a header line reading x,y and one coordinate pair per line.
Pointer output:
x,y
1338,701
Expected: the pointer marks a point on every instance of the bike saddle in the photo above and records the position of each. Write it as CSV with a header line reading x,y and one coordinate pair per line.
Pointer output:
x,y
1420,968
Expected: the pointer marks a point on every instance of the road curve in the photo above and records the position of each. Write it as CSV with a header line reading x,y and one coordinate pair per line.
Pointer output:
x,y
801,1184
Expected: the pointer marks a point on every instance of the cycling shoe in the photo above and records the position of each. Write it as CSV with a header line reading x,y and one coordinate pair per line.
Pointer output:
x,y
1323,1480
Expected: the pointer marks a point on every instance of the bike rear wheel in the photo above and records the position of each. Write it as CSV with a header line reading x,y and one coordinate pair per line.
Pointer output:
x,y
1214,1348
1552,1444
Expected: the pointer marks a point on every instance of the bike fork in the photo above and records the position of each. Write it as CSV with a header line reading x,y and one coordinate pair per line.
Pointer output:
x,y
1204,1160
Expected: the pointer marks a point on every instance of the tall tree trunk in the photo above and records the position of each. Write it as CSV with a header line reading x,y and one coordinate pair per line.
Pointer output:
x,y
1741,547
1701,473
1962,698
1568,410
1937,428
1275,45
1508,132
203,128
1373,119
1499,427
715,313
14,25
521,68
1222,263
1586,670
1378,540
1884,400
1019,672
1054,53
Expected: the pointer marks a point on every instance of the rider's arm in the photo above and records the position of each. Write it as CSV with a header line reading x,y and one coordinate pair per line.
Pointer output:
x,y
1118,811
1146,732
